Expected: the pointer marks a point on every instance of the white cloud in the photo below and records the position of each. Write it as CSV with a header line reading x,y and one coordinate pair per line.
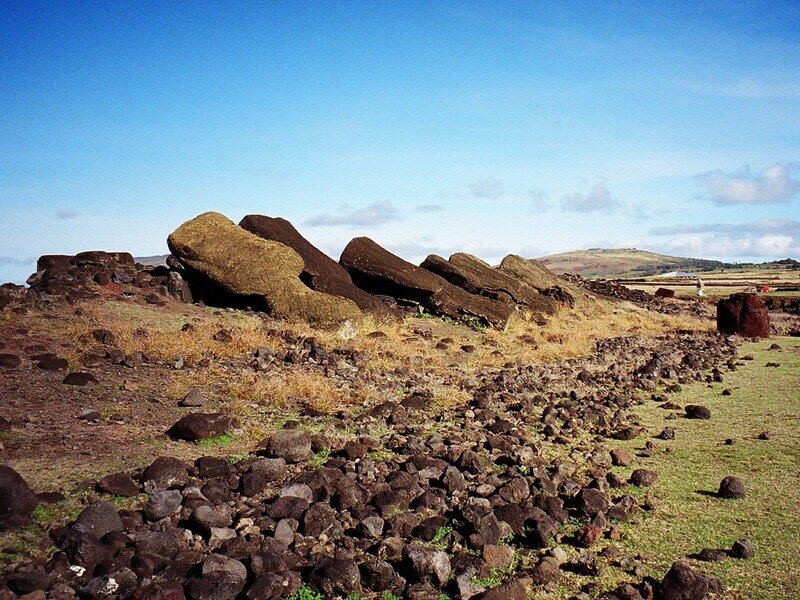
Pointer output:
x,y
597,200
487,188
377,213
773,186
707,246
770,226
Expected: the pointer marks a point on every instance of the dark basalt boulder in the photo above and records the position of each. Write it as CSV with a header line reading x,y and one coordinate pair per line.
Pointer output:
x,y
202,426
682,583
17,501
77,276
743,314
320,272
378,271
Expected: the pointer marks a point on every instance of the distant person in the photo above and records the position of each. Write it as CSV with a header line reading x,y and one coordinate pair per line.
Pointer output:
x,y
699,286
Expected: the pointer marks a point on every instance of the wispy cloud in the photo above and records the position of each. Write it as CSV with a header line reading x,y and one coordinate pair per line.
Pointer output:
x,y
429,208
771,226
66,213
377,213
13,261
539,201
599,199
487,188
774,185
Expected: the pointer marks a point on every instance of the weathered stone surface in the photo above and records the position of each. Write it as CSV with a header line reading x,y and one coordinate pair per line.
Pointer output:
x,y
99,519
320,272
292,445
17,501
202,426
250,267
537,276
682,583
118,484
378,271
743,314
166,472
743,549
732,487
9,361
477,277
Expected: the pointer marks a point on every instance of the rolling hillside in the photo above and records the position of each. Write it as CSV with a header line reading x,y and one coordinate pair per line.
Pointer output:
x,y
615,262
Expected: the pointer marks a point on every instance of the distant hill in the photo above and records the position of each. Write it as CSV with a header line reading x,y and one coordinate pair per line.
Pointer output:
x,y
152,261
616,262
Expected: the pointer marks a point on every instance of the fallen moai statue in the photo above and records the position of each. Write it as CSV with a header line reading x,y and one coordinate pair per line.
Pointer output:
x,y
536,275
378,271
253,269
477,277
320,272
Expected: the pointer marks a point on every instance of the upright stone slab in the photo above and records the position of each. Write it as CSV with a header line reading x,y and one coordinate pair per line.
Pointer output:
x,y
743,314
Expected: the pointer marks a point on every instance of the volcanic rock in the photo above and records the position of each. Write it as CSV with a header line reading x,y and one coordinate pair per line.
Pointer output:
x,y
643,477
202,426
261,473
336,577
166,472
51,362
118,484
682,583
17,501
292,445
249,267
428,562
732,487
99,519
163,504
378,271
9,361
510,590
743,314
743,549
79,379
320,272
696,411
621,457
592,501
546,570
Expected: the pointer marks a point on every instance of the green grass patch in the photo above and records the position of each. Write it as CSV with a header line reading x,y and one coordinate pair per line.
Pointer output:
x,y
687,520
306,593
220,440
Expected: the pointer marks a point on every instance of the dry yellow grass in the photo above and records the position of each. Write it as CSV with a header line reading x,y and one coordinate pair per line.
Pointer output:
x,y
409,347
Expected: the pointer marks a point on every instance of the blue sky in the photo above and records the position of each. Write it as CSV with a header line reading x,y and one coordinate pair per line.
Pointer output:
x,y
431,127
